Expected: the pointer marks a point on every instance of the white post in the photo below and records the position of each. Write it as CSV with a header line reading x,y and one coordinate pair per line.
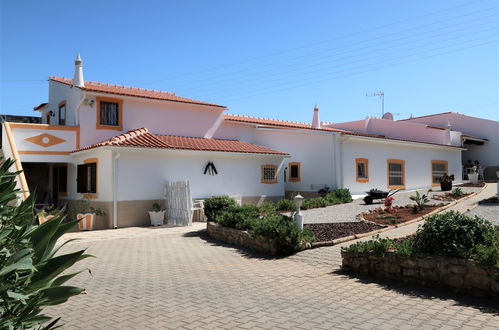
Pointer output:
x,y
298,217
497,173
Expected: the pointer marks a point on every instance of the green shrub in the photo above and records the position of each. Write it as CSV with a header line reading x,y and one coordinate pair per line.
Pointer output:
x,y
285,205
217,204
379,246
312,203
30,273
488,254
341,194
267,208
280,230
238,217
457,192
454,234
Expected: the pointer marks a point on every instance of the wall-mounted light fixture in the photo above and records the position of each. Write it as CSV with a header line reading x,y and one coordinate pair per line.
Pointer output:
x,y
51,113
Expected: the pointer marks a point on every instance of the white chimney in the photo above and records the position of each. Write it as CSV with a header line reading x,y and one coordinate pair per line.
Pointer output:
x,y
78,76
316,123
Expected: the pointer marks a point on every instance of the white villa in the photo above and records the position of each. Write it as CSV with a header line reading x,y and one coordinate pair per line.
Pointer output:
x,y
118,146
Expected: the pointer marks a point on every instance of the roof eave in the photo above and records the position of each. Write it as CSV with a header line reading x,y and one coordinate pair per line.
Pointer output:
x,y
118,148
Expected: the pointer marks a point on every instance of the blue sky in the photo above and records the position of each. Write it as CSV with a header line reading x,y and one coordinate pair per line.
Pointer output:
x,y
263,58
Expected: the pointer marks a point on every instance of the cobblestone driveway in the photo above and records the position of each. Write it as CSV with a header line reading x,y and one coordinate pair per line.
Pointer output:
x,y
177,278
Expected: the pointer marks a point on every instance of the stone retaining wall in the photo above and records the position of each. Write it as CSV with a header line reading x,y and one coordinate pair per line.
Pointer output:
x,y
240,238
459,275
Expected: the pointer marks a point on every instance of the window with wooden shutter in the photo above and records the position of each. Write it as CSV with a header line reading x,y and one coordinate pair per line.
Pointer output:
x,y
87,178
294,172
362,169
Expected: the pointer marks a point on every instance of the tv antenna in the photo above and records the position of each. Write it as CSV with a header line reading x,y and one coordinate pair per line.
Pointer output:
x,y
381,95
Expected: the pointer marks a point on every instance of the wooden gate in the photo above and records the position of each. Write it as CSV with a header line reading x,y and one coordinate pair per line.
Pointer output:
x,y
178,203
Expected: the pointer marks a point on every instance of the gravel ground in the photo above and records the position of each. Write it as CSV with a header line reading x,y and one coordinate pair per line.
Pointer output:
x,y
330,231
348,212
489,212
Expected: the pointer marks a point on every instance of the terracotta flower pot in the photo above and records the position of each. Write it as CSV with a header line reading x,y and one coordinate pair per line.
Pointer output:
x,y
86,221
42,219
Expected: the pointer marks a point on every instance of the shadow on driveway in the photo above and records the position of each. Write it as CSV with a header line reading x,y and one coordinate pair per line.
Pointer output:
x,y
485,305
244,252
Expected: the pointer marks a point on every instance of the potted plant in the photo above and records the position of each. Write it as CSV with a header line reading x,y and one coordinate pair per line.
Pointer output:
x,y
473,175
86,214
157,215
446,182
47,214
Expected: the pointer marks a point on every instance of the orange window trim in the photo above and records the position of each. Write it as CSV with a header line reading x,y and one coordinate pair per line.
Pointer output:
x,y
262,178
366,162
120,114
446,163
59,111
398,161
96,161
294,179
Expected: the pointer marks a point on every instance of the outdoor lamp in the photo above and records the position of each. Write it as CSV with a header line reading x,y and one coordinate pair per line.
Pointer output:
x,y
298,199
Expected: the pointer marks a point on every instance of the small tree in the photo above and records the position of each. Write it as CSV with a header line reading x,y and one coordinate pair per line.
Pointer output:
x,y
30,271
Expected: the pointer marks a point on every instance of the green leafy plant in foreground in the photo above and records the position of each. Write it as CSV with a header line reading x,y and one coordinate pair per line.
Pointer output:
x,y
30,270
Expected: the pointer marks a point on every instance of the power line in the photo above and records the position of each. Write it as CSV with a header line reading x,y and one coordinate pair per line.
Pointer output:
x,y
313,82
278,63
370,54
314,44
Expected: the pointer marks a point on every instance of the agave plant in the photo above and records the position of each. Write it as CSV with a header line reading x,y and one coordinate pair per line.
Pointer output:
x,y
30,266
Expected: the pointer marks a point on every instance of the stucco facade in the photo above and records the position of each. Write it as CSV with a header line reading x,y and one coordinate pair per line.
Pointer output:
x,y
160,137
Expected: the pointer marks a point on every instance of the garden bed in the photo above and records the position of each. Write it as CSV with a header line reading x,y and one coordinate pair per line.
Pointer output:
x,y
472,185
450,250
325,232
449,197
401,214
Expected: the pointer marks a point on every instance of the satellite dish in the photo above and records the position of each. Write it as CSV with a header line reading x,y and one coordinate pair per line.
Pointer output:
x,y
388,116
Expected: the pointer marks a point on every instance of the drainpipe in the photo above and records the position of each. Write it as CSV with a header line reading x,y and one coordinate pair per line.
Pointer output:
x,y
115,155
77,109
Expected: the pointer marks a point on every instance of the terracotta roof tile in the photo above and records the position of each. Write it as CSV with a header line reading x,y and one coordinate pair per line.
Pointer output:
x,y
133,91
292,124
41,105
142,138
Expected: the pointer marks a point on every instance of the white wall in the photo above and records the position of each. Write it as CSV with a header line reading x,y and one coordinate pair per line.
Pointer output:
x,y
142,174
160,117
59,92
104,174
417,163
314,150
488,154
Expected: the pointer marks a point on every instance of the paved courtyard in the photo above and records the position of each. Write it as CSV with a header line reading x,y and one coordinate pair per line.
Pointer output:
x,y
144,278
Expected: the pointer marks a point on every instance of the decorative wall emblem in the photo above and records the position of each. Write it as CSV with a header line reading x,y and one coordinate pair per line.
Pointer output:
x,y
210,169
45,140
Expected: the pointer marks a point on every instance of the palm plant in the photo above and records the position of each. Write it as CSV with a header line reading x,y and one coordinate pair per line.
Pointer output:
x,y
421,200
30,270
